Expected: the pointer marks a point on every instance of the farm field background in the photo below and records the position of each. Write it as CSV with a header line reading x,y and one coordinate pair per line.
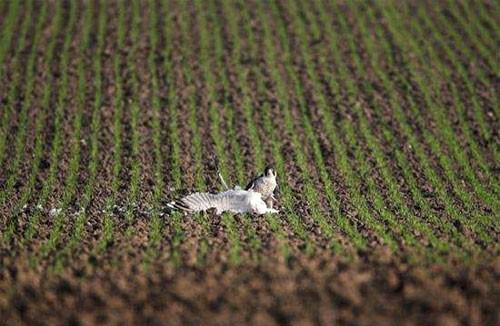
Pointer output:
x,y
380,118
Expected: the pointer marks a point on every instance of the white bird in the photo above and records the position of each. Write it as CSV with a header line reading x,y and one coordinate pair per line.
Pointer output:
x,y
234,200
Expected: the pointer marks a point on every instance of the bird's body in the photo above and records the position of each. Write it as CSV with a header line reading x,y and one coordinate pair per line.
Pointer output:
x,y
265,184
234,200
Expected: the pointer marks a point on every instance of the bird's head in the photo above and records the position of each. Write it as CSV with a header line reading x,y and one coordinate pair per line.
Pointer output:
x,y
269,172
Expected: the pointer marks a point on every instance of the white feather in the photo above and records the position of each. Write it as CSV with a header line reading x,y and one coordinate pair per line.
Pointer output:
x,y
234,200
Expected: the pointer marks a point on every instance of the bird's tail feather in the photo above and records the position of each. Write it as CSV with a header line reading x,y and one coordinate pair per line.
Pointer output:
x,y
178,205
196,202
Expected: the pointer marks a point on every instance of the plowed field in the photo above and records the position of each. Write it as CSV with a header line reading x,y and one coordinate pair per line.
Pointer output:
x,y
381,119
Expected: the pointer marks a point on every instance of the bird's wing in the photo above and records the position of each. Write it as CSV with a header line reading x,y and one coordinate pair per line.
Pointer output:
x,y
232,200
251,184
199,201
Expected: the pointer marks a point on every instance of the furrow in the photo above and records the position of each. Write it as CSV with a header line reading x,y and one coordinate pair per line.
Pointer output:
x,y
223,62
57,140
491,58
107,231
480,31
400,156
394,192
483,75
478,110
81,219
480,220
484,15
8,29
194,116
438,188
19,142
340,219
286,193
215,113
70,190
460,156
431,175
258,154
352,179
411,221
133,191
175,223
11,100
156,224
